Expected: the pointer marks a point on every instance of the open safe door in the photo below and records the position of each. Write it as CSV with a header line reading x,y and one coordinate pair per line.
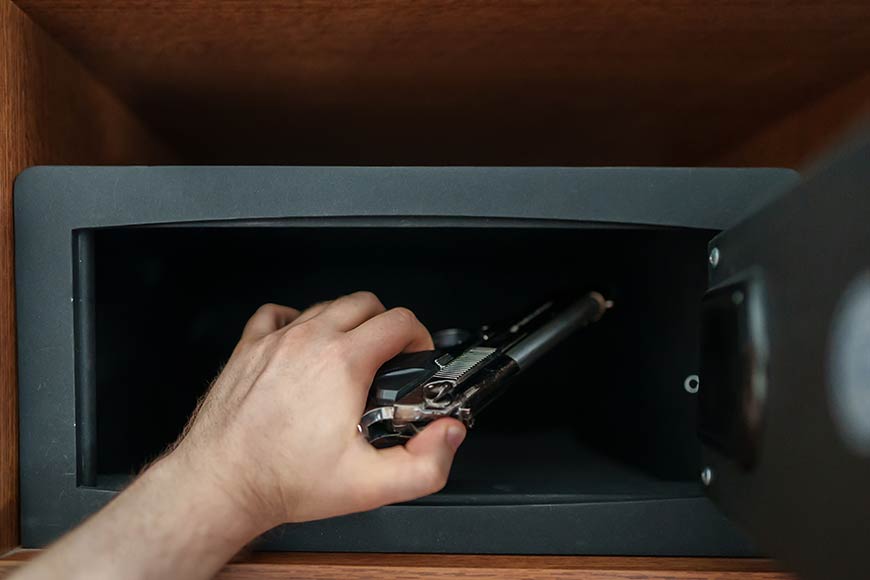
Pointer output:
x,y
785,373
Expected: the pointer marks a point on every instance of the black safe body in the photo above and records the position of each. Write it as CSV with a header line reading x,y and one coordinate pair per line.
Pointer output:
x,y
133,284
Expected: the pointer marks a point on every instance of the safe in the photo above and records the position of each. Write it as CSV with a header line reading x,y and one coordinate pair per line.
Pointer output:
x,y
720,408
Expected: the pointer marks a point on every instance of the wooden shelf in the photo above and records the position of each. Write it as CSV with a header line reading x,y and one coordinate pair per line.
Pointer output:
x,y
379,566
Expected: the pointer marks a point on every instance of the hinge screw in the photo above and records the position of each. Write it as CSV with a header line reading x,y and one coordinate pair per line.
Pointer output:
x,y
707,476
714,257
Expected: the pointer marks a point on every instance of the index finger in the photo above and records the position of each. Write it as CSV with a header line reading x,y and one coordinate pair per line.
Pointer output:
x,y
382,337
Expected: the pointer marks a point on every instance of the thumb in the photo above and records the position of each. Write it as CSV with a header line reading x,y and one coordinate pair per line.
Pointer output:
x,y
418,468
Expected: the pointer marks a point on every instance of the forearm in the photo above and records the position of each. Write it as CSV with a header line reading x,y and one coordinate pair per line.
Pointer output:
x,y
164,525
275,440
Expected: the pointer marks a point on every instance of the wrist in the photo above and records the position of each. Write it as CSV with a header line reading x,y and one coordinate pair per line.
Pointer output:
x,y
202,501
173,521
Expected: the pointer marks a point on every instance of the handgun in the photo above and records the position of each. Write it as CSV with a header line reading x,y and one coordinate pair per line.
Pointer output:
x,y
467,370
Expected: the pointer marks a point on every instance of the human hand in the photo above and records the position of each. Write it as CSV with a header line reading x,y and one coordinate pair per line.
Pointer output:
x,y
277,433
274,440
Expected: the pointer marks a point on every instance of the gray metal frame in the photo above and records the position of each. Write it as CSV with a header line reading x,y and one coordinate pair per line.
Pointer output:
x,y
52,202
805,258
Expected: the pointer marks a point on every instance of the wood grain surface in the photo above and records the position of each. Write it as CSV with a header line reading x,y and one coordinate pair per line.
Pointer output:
x,y
261,566
806,135
51,111
502,82
433,82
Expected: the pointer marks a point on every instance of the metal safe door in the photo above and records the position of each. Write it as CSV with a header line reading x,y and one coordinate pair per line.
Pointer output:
x,y
785,377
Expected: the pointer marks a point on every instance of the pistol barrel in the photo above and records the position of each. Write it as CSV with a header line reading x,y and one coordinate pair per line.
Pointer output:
x,y
581,313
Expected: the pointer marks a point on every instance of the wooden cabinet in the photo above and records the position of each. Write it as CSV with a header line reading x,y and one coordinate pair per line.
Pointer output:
x,y
431,83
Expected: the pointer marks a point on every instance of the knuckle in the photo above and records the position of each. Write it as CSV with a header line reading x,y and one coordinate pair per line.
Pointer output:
x,y
267,308
403,316
367,298
318,306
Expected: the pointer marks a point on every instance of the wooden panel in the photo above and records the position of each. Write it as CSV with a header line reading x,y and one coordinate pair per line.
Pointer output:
x,y
804,136
409,566
51,111
386,81
477,82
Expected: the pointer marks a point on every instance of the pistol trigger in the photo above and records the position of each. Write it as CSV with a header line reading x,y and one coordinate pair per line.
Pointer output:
x,y
464,415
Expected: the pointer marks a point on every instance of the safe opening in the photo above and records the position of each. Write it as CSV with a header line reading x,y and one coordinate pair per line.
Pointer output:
x,y
607,415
